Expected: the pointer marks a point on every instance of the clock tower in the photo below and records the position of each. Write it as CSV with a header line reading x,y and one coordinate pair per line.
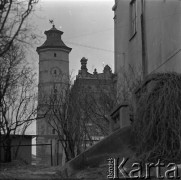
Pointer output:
x,y
53,65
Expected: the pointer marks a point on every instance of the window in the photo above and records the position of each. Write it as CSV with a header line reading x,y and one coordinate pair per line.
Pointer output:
x,y
55,92
54,88
55,71
55,55
53,131
133,14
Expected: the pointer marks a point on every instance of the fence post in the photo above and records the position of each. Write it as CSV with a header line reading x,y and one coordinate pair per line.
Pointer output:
x,y
57,152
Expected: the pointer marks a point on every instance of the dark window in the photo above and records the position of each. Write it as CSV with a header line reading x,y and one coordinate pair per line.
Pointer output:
x,y
55,96
55,93
55,55
53,131
133,15
54,72
55,89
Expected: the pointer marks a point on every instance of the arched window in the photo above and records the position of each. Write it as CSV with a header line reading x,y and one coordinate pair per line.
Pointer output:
x,y
55,72
55,55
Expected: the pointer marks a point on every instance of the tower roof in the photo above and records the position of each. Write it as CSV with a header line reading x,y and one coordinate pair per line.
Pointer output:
x,y
54,40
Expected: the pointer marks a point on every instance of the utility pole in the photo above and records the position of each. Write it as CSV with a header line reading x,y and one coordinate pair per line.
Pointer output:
x,y
143,39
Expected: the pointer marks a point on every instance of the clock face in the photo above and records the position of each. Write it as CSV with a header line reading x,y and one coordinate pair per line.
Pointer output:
x,y
55,71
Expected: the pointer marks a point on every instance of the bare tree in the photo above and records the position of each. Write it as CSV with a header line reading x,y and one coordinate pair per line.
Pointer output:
x,y
13,23
81,113
128,79
17,96
99,101
64,115
108,94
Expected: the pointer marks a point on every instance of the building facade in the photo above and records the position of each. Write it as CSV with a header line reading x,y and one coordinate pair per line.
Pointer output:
x,y
147,35
21,148
147,39
53,74
97,90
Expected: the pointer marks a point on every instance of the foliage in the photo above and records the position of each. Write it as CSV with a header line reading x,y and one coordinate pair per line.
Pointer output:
x,y
157,123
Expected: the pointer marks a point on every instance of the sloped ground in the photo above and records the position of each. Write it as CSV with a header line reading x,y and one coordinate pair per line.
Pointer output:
x,y
92,173
93,162
16,170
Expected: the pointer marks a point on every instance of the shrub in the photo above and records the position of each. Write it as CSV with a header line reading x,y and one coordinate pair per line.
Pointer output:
x,y
157,123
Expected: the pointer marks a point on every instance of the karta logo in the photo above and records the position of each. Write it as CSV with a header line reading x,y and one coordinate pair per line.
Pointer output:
x,y
117,169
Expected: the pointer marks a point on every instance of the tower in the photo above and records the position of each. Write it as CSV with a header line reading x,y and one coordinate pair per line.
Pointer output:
x,y
53,65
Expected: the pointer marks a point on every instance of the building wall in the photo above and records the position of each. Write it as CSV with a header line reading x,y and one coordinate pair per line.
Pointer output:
x,y
47,63
162,23
120,117
24,152
93,87
162,35
127,50
163,27
50,154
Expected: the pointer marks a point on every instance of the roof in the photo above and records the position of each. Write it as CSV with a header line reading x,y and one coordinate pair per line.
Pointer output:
x,y
84,74
54,40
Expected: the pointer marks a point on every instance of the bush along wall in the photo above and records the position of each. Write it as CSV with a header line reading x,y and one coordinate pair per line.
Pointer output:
x,y
157,122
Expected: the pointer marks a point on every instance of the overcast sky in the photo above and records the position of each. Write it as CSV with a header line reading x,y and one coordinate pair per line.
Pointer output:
x,y
88,28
